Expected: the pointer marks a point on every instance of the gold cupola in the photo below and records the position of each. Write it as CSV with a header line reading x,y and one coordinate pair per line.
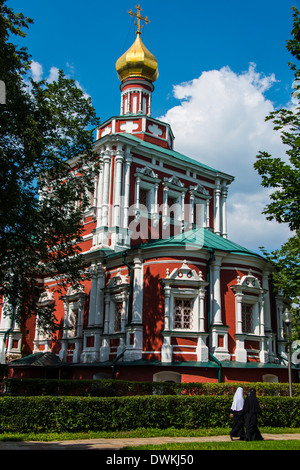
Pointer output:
x,y
137,61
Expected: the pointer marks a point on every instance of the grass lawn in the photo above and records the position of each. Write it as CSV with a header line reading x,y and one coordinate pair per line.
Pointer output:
x,y
144,432
235,445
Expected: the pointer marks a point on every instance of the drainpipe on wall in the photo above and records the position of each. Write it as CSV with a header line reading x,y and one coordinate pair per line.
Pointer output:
x,y
220,366
113,373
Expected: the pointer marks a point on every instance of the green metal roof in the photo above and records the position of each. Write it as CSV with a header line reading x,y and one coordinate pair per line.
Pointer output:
x,y
172,153
40,359
200,238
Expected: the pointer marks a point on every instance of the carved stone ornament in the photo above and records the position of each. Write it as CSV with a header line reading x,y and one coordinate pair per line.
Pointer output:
x,y
146,171
174,180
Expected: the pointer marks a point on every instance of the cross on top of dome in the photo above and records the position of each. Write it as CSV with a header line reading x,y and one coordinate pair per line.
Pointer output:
x,y
139,18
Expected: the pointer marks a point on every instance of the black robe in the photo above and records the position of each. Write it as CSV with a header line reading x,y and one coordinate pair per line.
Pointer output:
x,y
238,429
251,410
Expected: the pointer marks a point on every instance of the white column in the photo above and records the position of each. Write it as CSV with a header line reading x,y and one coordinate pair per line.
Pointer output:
x,y
224,211
182,210
238,312
156,198
207,212
261,316
137,308
217,228
124,310
167,308
93,295
263,354
267,306
107,313
165,206
137,192
118,186
216,291
149,104
167,349
98,317
106,184
192,208
99,196
201,310
128,160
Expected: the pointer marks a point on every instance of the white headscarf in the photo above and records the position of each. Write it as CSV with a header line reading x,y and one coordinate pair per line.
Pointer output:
x,y
238,400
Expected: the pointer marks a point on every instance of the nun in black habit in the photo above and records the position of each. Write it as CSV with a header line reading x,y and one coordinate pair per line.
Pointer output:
x,y
238,429
252,409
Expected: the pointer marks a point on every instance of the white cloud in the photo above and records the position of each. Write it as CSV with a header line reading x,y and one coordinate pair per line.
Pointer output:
x,y
37,74
53,75
249,227
220,121
36,71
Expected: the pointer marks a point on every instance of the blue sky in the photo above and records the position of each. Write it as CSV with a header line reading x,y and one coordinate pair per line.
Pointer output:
x,y
86,38
221,63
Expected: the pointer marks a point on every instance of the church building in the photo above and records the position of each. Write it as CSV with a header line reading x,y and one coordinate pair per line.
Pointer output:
x,y
171,298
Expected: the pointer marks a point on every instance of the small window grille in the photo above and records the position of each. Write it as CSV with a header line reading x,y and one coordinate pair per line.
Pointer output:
x,y
118,316
172,201
183,313
144,198
247,318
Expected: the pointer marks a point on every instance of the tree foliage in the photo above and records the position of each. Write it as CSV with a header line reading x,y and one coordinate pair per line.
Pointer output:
x,y
283,176
47,169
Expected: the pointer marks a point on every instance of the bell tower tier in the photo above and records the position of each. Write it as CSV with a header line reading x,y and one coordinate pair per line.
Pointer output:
x,y
136,95
137,69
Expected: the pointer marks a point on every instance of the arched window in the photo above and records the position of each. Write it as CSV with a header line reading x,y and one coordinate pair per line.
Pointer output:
x,y
271,378
167,376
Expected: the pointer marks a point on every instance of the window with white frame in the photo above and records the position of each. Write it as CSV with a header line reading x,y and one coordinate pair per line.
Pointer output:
x,y
174,207
146,186
118,316
199,213
183,313
247,318
145,199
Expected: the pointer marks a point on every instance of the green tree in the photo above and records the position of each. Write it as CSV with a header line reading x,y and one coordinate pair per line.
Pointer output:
x,y
47,169
283,176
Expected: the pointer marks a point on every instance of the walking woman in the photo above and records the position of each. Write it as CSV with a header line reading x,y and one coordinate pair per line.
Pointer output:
x,y
238,429
251,410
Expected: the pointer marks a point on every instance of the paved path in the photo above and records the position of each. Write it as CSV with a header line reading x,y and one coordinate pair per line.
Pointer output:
x,y
118,444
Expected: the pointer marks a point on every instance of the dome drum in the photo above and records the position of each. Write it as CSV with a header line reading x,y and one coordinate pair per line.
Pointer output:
x,y
137,82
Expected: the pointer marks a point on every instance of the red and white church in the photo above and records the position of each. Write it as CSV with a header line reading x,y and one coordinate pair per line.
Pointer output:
x,y
170,298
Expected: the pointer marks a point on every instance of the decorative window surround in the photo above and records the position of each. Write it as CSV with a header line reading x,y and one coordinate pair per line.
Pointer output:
x,y
92,334
146,179
74,302
199,197
184,283
248,290
42,340
174,189
11,348
116,293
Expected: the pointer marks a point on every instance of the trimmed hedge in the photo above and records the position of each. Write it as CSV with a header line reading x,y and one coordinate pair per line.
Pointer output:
x,y
77,414
55,387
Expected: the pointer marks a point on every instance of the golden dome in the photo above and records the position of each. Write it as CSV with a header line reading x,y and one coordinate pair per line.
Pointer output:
x,y
137,62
